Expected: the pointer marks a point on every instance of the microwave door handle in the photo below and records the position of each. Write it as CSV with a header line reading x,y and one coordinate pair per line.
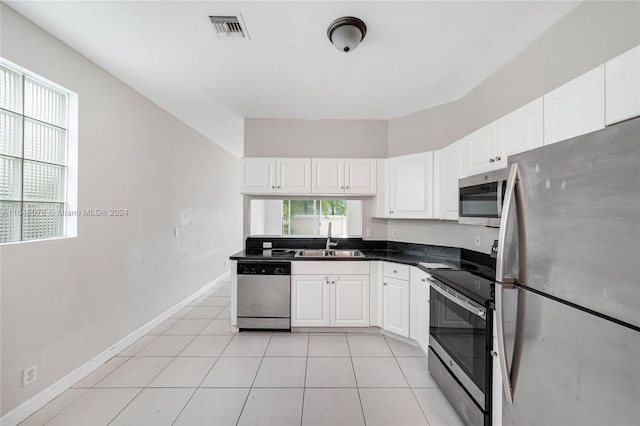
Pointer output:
x,y
499,197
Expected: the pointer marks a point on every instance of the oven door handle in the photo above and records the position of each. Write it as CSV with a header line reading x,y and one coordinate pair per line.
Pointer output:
x,y
458,299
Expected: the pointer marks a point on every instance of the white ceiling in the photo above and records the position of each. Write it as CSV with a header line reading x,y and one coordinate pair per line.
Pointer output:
x,y
416,54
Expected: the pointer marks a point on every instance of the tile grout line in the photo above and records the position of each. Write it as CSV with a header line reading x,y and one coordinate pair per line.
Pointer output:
x,y
355,378
304,384
159,372
150,381
64,408
203,378
254,379
129,358
410,387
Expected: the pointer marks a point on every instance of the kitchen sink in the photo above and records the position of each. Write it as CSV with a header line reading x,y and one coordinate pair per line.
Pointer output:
x,y
329,253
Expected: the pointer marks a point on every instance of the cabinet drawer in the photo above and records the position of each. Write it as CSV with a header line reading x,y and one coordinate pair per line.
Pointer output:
x,y
396,270
323,267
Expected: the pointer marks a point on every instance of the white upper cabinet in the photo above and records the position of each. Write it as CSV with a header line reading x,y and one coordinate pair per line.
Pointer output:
x,y
519,131
293,175
328,176
258,175
411,186
449,165
481,146
276,175
575,108
344,176
623,86
360,175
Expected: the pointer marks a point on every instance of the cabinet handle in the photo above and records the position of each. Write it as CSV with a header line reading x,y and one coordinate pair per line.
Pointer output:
x,y
497,158
273,187
342,187
390,211
278,187
395,272
347,187
491,160
424,280
384,283
333,282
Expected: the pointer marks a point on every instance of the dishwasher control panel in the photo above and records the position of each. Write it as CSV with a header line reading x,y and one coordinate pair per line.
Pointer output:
x,y
264,268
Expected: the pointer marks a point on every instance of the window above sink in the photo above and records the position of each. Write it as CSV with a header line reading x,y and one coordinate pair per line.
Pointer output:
x,y
309,218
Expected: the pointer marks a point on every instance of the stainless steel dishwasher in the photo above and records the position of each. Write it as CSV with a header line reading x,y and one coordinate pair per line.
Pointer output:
x,y
264,295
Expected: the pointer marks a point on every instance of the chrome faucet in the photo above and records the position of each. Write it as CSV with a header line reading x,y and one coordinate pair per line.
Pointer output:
x,y
329,243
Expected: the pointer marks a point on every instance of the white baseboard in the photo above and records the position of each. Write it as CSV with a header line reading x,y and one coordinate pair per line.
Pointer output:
x,y
33,404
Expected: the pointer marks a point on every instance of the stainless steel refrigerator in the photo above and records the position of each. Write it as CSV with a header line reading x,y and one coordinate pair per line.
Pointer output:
x,y
568,290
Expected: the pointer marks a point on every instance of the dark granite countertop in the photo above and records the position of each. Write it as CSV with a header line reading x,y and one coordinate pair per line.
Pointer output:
x,y
474,263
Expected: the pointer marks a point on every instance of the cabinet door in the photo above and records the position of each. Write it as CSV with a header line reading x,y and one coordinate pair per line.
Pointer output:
x,y
575,108
294,175
623,86
449,167
360,175
350,301
411,186
395,316
328,176
481,150
417,301
519,131
258,175
381,202
422,314
310,301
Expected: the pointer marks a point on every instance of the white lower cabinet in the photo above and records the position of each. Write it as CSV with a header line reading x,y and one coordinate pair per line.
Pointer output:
x,y
395,300
419,324
310,301
330,300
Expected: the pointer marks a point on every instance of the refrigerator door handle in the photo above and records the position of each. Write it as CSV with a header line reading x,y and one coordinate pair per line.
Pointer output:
x,y
510,374
513,192
504,223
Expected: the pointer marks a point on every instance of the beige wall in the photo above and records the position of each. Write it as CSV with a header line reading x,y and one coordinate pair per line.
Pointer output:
x,y
65,301
588,36
315,138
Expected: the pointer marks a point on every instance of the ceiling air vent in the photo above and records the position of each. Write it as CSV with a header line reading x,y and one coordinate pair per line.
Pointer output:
x,y
229,27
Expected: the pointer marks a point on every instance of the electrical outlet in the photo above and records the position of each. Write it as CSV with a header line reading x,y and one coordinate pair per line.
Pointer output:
x,y
394,233
176,232
369,232
477,240
266,245
29,375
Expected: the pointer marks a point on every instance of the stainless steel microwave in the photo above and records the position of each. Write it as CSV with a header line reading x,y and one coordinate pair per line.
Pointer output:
x,y
480,198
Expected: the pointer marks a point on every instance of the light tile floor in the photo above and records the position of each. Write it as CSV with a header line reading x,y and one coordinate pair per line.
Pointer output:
x,y
192,370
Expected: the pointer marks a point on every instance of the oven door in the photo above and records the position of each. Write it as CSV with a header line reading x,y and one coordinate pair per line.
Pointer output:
x,y
458,334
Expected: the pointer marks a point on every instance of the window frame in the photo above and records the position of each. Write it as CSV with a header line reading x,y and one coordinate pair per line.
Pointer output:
x,y
69,204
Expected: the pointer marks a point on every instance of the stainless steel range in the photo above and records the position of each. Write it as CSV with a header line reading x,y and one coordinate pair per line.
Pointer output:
x,y
460,338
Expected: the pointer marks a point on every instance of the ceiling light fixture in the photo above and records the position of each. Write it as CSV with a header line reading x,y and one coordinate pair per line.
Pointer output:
x,y
346,33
